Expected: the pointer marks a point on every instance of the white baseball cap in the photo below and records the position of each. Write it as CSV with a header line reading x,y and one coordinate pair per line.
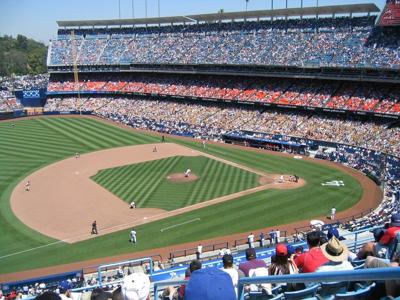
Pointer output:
x,y
136,287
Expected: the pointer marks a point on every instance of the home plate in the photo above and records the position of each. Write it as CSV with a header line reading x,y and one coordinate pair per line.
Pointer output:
x,y
144,218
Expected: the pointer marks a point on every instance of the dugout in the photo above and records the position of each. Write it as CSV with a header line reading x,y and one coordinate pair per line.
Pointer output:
x,y
264,143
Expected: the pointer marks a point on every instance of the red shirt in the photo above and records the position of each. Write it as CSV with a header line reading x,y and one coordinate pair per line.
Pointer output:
x,y
389,235
310,261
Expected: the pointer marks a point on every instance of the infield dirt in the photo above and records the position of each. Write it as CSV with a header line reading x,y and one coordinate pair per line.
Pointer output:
x,y
63,201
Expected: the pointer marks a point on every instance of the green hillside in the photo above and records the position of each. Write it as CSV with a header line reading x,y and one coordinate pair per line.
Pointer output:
x,y
21,56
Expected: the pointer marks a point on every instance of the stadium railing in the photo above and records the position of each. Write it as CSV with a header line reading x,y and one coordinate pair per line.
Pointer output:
x,y
357,275
148,260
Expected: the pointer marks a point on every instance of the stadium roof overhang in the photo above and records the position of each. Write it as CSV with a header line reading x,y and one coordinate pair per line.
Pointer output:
x,y
228,16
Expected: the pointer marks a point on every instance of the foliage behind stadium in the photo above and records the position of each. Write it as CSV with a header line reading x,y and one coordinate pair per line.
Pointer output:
x,y
21,56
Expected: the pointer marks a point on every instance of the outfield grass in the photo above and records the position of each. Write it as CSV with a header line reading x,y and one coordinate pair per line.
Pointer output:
x,y
147,182
32,144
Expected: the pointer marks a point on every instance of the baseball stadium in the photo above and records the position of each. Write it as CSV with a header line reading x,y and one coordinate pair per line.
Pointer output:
x,y
233,155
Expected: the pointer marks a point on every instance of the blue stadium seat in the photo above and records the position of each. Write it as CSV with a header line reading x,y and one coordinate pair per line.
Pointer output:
x,y
302,294
359,294
330,288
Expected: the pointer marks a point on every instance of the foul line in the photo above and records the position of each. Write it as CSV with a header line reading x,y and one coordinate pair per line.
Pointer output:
x,y
31,249
176,225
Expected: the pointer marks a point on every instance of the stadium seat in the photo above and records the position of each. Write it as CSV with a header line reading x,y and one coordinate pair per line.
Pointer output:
x,y
359,294
301,294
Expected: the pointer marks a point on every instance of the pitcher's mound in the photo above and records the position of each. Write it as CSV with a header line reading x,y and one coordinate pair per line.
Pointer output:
x,y
180,177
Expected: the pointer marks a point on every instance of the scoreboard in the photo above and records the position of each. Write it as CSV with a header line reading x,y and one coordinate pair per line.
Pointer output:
x,y
32,98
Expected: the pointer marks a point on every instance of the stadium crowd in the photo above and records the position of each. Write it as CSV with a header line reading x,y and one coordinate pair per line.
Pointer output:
x,y
384,98
337,42
211,121
26,82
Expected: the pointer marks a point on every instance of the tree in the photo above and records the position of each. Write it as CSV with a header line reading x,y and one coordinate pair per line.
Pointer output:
x,y
21,56
22,42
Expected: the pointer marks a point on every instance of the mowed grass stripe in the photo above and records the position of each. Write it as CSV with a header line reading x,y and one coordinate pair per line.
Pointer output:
x,y
231,174
122,134
215,173
116,178
70,126
121,137
95,139
124,180
154,182
146,183
102,136
196,189
73,136
164,167
138,181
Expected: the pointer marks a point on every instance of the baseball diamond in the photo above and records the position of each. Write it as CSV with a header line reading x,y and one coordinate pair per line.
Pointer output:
x,y
46,140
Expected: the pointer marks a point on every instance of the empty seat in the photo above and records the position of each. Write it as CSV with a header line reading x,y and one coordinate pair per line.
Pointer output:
x,y
302,294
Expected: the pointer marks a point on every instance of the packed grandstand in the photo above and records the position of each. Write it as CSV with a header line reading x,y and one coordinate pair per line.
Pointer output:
x,y
139,76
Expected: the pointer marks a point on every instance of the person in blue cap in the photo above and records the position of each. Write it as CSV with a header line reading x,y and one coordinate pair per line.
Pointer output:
x,y
210,284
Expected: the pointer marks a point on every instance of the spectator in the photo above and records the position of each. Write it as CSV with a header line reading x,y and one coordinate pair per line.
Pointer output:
x,y
136,287
311,260
65,290
100,294
210,284
337,254
194,266
49,295
227,261
255,267
283,265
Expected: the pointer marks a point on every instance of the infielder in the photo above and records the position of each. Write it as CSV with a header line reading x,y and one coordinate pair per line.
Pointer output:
x,y
133,236
187,172
94,228
27,186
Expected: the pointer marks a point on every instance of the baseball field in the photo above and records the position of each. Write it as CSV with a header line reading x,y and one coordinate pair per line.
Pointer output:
x,y
31,146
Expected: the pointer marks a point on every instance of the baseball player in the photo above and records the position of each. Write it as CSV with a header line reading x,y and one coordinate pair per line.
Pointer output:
x,y
133,236
132,205
187,172
94,227
27,186
155,149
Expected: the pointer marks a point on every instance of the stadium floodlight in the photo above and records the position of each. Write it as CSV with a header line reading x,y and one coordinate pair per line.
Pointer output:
x,y
133,10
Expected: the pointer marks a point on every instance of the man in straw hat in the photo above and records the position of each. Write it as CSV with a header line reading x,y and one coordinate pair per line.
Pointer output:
x,y
337,254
